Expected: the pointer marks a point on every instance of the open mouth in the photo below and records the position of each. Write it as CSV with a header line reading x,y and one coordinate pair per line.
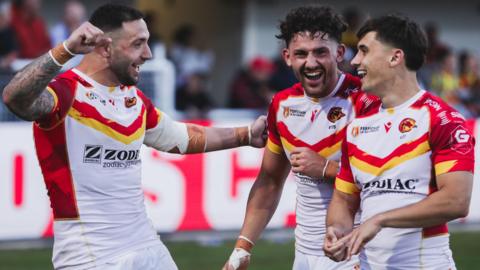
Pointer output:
x,y
136,67
315,75
361,73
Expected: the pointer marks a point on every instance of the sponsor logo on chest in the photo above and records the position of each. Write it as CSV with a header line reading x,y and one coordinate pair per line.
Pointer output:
x,y
110,158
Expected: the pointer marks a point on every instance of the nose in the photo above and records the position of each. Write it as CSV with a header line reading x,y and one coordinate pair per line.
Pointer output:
x,y
356,60
147,53
311,61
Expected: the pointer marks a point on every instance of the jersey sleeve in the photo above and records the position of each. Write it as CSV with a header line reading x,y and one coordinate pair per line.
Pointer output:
x,y
162,132
344,181
63,92
452,144
365,104
274,143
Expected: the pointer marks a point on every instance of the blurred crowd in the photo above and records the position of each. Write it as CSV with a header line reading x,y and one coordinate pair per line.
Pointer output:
x,y
452,75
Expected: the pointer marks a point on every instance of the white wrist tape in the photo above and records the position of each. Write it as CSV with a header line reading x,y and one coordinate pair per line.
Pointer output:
x,y
236,258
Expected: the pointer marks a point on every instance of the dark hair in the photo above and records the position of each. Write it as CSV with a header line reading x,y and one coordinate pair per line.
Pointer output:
x,y
313,19
110,17
400,32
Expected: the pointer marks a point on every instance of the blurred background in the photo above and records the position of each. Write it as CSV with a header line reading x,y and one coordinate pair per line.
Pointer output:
x,y
216,62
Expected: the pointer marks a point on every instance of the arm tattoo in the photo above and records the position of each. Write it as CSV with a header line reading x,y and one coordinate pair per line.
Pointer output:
x,y
25,94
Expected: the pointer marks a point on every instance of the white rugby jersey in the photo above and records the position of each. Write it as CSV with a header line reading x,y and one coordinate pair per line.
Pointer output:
x,y
295,120
88,149
392,159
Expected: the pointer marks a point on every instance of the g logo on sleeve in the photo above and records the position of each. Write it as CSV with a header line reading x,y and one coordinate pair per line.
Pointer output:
x,y
461,140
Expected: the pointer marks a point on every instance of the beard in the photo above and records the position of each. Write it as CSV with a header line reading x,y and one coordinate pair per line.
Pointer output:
x,y
120,69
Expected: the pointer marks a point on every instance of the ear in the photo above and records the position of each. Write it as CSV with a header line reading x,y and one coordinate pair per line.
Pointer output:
x,y
340,52
286,57
397,57
105,50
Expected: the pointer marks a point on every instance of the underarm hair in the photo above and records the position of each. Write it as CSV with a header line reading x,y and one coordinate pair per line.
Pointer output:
x,y
197,140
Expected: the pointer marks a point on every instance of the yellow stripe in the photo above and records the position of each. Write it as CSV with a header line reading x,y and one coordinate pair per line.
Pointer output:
x,y
325,152
286,144
329,151
55,97
444,166
108,131
374,170
273,147
346,187
160,115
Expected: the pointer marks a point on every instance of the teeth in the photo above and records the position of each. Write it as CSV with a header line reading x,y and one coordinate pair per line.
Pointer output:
x,y
362,72
313,74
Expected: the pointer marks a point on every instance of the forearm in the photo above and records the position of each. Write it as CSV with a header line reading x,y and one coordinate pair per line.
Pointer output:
x,y
262,203
436,209
225,138
28,85
341,212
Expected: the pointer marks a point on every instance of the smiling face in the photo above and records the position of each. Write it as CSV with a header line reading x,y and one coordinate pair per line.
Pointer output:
x,y
129,51
374,61
314,59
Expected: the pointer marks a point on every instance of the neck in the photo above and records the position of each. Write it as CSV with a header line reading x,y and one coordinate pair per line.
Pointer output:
x,y
97,68
400,88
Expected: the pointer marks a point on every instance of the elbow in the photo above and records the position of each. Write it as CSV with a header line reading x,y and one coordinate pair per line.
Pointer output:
x,y
460,209
6,97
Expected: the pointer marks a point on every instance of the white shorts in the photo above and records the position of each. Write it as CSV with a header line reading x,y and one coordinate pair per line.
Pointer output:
x,y
311,262
151,258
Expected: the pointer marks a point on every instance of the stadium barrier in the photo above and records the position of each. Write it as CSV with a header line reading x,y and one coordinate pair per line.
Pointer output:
x,y
182,193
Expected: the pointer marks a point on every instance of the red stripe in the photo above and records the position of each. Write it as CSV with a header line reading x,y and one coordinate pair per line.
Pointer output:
x,y
353,150
53,158
436,230
89,111
324,143
18,170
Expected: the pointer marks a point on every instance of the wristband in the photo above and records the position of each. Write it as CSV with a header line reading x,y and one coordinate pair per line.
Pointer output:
x,y
60,55
66,48
325,168
244,243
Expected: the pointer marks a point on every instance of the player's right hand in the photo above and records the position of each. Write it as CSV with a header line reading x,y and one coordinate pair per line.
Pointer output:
x,y
85,38
335,247
239,260
307,162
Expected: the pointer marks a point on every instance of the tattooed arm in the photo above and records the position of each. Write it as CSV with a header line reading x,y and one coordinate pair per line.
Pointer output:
x,y
26,94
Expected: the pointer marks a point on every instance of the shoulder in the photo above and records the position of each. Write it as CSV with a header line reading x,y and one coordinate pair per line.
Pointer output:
x,y
440,112
295,90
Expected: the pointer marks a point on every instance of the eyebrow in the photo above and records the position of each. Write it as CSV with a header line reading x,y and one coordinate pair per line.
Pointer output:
x,y
363,47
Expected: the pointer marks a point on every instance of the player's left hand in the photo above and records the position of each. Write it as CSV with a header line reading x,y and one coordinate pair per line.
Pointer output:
x,y
307,162
239,260
362,235
258,132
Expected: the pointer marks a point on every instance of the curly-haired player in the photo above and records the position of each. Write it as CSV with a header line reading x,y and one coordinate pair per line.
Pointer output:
x,y
306,124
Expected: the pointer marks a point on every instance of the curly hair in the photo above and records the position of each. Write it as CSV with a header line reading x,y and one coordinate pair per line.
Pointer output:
x,y
314,19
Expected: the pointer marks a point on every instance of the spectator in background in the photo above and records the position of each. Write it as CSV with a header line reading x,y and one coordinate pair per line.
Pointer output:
x,y
8,44
155,41
435,51
192,98
250,88
29,28
354,18
186,56
445,81
282,76
469,81
73,16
